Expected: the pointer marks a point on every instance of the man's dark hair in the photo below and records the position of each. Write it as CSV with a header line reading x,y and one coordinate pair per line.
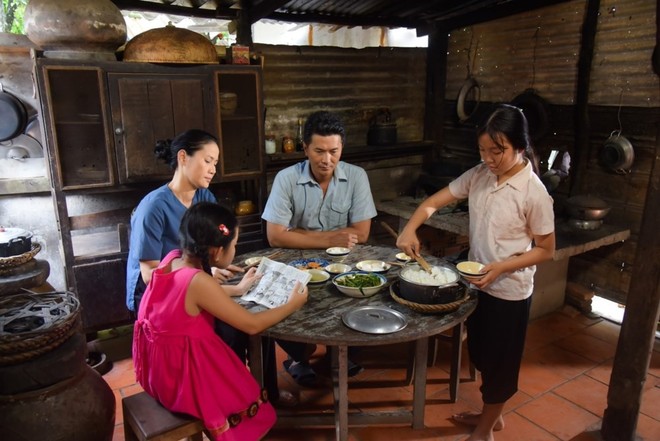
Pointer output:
x,y
325,124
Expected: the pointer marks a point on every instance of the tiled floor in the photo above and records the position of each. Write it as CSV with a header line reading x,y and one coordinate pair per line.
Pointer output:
x,y
562,396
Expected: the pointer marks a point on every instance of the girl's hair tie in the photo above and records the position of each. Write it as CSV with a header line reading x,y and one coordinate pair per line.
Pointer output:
x,y
223,228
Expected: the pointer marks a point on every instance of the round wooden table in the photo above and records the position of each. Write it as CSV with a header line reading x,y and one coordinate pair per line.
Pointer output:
x,y
320,322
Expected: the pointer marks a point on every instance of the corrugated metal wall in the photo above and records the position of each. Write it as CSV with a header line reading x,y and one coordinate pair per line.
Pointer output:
x,y
355,83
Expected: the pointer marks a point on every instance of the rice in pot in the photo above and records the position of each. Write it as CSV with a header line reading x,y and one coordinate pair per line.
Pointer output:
x,y
439,276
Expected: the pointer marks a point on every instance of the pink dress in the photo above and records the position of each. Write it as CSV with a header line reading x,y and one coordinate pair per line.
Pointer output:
x,y
180,361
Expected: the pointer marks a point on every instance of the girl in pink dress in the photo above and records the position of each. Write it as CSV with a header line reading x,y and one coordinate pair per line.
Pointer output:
x,y
178,357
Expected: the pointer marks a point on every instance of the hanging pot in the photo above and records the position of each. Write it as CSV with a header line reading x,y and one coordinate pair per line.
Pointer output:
x,y
536,111
617,154
469,86
382,130
13,116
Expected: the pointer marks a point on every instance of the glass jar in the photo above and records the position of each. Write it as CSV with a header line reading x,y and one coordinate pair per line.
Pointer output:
x,y
288,146
270,144
245,207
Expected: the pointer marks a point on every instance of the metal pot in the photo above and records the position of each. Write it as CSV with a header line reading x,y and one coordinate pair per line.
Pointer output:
x,y
382,130
430,294
586,207
617,153
14,241
13,116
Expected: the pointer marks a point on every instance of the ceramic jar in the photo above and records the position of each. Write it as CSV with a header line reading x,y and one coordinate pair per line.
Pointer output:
x,y
245,207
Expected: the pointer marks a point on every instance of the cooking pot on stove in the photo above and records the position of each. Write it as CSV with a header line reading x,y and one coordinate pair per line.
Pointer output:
x,y
437,293
14,241
586,207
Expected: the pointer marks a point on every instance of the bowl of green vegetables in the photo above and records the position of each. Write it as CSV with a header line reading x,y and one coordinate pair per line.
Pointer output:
x,y
359,284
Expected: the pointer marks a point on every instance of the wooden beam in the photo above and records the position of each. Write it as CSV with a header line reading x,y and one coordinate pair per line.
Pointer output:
x,y
633,352
582,123
436,83
221,12
265,8
482,14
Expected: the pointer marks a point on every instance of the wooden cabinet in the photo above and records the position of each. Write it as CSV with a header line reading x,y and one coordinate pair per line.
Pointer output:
x,y
102,120
147,108
78,131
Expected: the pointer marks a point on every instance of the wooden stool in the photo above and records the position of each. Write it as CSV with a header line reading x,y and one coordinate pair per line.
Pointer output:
x,y
145,419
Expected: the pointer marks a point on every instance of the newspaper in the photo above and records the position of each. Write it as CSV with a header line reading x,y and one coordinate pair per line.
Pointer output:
x,y
276,283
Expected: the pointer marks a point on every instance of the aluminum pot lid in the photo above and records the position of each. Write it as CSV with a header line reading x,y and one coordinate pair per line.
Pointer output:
x,y
587,201
7,234
374,319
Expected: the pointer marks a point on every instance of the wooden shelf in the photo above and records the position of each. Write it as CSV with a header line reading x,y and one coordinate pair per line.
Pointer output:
x,y
280,160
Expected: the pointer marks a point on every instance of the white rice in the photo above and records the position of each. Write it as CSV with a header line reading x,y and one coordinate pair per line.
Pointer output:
x,y
439,276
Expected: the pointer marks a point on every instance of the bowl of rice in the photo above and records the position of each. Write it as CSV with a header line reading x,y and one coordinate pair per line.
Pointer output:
x,y
440,286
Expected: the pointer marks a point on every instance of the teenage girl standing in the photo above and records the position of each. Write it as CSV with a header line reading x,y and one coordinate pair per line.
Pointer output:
x,y
511,230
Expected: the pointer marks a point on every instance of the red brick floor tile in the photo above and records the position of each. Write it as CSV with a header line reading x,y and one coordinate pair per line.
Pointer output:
x,y
586,392
588,346
518,428
536,379
558,416
604,330
565,363
602,372
651,403
654,365
648,428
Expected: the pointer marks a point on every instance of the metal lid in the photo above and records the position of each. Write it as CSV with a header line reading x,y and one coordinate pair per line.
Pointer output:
x,y
7,234
374,319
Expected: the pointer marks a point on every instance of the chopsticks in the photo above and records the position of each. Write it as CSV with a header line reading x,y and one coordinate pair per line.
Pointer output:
x,y
270,256
422,262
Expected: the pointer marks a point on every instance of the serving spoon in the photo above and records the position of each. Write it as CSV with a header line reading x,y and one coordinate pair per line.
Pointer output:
x,y
422,262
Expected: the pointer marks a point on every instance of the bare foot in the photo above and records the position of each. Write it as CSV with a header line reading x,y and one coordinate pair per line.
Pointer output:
x,y
472,419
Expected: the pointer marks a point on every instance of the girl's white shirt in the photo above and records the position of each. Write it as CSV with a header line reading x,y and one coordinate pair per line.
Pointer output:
x,y
503,221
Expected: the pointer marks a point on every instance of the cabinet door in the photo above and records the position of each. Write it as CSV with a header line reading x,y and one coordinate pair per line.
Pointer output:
x,y
151,107
75,115
241,131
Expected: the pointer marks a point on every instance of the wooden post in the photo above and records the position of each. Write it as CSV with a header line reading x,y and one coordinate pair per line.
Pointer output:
x,y
633,352
436,79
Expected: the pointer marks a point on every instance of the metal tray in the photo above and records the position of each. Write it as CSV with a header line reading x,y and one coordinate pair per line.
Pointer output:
x,y
374,319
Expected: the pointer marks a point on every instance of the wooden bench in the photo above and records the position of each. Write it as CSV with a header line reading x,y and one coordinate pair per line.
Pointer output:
x,y
145,419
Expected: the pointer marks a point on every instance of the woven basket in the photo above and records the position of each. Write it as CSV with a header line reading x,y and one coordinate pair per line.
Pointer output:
x,y
19,259
427,308
32,324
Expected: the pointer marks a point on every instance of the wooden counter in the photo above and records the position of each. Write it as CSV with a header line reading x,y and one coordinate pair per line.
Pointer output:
x,y
550,277
570,242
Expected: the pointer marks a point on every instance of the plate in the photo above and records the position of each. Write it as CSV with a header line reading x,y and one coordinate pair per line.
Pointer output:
x,y
337,268
374,319
318,276
338,251
312,263
373,266
403,257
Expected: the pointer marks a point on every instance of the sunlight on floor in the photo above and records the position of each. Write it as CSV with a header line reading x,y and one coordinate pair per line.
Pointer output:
x,y
607,309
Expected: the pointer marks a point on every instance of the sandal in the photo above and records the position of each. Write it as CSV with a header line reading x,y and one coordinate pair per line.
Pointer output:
x,y
286,399
472,419
301,372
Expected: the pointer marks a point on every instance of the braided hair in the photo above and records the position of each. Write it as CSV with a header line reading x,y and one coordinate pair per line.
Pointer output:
x,y
190,141
205,225
509,122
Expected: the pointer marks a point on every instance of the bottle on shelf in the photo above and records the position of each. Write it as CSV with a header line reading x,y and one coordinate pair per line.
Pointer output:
x,y
300,143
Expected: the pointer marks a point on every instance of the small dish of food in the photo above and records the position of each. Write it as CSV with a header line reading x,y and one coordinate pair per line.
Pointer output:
x,y
373,266
318,276
403,257
312,263
338,251
337,268
359,283
252,261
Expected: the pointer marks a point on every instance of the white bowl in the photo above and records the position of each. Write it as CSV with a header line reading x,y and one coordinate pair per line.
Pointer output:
x,y
338,251
470,268
318,276
373,266
359,292
337,268
403,257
